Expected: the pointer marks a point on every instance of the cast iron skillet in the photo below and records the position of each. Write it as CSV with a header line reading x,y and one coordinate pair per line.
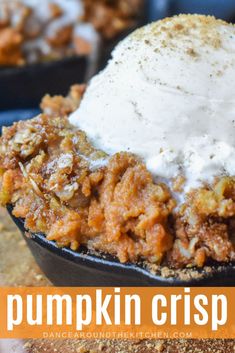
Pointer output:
x,y
65,267
24,87
68,268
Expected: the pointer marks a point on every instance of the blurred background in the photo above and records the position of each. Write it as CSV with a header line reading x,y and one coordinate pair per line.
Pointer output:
x,y
224,9
48,45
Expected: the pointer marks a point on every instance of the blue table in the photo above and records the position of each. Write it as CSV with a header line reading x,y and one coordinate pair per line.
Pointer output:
x,y
158,9
8,117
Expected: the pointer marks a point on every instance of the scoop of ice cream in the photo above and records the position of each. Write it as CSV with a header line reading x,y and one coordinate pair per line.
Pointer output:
x,y
168,95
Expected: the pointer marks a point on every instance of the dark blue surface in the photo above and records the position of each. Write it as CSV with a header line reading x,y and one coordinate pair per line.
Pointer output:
x,y
9,116
224,9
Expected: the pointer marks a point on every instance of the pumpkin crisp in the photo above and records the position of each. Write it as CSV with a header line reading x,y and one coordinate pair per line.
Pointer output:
x,y
31,35
77,195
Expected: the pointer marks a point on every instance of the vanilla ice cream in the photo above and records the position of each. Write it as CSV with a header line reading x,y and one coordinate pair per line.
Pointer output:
x,y
168,95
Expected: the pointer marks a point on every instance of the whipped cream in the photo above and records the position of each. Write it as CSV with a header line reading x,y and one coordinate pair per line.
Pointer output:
x,y
168,95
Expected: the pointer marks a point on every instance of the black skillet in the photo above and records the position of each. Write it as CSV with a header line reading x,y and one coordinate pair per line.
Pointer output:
x,y
65,267
24,87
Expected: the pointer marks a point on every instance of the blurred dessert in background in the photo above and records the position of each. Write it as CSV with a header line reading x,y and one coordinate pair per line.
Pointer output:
x,y
110,17
32,31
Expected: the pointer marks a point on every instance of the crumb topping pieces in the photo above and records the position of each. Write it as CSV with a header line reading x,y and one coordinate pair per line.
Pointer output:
x,y
58,182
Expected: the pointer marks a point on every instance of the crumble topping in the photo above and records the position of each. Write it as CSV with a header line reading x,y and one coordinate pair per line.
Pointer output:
x,y
75,194
181,26
48,179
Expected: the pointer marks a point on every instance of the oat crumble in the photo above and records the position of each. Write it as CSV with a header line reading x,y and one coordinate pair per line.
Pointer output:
x,y
118,208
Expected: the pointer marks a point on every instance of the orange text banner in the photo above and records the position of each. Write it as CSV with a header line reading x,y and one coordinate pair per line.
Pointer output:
x,y
125,313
